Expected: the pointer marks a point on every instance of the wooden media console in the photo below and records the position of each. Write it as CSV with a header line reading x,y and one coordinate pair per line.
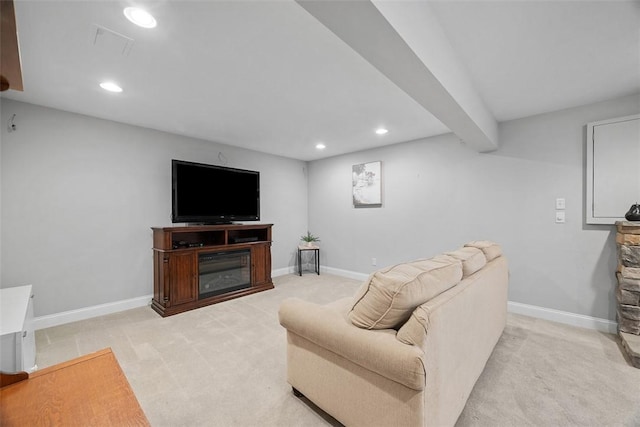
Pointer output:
x,y
194,266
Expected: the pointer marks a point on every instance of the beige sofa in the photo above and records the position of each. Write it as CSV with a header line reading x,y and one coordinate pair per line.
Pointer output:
x,y
408,348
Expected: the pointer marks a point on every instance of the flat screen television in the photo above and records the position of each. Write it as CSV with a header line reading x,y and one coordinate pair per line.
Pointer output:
x,y
213,194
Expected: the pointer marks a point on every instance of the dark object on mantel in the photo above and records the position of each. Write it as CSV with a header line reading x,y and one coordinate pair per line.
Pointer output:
x,y
634,213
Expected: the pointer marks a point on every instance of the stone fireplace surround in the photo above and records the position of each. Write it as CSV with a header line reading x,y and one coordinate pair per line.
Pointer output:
x,y
628,290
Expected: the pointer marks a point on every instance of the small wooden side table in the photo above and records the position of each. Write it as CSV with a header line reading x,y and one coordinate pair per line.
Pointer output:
x,y
316,257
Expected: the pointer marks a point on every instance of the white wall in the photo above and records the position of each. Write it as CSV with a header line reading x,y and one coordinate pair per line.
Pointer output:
x,y
80,194
438,194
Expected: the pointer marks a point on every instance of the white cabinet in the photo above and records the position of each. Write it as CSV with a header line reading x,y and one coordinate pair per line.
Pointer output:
x,y
17,336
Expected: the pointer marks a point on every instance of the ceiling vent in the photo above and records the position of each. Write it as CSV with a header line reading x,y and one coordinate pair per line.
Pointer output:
x,y
110,41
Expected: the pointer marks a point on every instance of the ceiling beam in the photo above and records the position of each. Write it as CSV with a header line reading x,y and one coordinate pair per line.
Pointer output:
x,y
405,42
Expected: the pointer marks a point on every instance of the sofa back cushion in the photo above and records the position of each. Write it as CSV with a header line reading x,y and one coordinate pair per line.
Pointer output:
x,y
490,249
472,259
389,296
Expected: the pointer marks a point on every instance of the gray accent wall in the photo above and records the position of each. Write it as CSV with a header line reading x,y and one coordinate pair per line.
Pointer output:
x,y
438,194
79,196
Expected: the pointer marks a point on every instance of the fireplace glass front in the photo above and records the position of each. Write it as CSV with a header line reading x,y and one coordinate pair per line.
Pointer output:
x,y
223,272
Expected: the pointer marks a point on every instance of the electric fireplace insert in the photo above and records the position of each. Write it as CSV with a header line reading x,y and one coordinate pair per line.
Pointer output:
x,y
223,272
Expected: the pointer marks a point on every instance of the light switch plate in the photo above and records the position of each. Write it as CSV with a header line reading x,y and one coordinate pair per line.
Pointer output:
x,y
560,203
560,217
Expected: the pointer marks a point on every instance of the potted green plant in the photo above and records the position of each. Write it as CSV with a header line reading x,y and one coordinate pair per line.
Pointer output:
x,y
309,239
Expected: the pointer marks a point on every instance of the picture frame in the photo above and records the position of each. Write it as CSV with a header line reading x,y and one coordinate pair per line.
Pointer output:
x,y
366,184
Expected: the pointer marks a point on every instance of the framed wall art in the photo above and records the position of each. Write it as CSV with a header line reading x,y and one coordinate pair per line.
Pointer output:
x,y
367,185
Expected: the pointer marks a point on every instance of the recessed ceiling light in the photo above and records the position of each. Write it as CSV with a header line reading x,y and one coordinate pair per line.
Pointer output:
x,y
321,146
381,131
140,17
111,87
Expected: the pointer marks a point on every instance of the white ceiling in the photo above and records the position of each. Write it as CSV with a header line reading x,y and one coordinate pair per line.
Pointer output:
x,y
266,75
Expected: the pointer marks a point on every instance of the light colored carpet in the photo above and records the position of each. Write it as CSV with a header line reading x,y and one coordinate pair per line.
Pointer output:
x,y
224,365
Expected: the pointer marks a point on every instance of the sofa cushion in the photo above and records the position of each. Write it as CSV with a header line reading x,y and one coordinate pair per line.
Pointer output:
x,y
414,330
490,249
473,259
389,295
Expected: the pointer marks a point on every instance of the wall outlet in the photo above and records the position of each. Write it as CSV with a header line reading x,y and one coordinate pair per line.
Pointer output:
x,y
374,262
560,217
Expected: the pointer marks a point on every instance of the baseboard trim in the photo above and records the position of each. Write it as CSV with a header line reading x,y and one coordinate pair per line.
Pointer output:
x,y
84,313
344,273
553,315
283,271
573,319
64,317
326,270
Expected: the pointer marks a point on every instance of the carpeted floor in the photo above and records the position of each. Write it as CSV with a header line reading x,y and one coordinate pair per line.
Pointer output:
x,y
224,365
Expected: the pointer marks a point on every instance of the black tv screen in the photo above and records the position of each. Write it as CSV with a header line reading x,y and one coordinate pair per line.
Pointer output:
x,y
213,194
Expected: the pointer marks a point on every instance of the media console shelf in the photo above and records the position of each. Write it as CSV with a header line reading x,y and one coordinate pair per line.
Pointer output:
x,y
194,266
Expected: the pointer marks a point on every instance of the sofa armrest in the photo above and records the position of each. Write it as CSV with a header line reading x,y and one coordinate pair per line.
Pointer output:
x,y
376,350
